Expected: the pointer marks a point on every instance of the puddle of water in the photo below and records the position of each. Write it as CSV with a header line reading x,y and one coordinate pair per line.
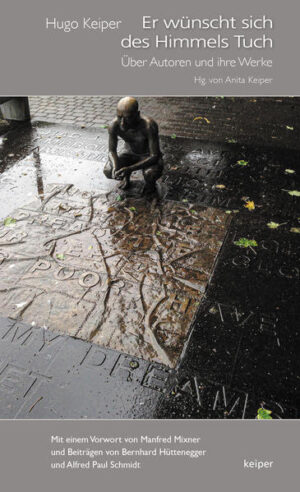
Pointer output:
x,y
26,179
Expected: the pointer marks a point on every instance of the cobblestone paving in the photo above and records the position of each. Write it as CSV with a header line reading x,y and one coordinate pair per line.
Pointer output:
x,y
271,121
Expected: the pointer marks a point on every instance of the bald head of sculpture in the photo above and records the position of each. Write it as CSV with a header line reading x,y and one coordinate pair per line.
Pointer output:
x,y
128,112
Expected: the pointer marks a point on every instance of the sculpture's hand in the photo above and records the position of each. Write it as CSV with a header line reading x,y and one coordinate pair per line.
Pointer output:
x,y
122,173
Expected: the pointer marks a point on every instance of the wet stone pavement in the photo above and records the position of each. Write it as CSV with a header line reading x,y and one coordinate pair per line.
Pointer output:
x,y
125,274
122,305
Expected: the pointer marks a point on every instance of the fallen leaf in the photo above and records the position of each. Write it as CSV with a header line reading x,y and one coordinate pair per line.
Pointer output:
x,y
134,364
289,171
243,242
264,414
60,256
228,211
132,209
273,225
220,186
232,140
193,211
184,200
9,222
242,163
249,205
90,247
289,127
173,135
158,233
201,118
295,229
119,198
293,192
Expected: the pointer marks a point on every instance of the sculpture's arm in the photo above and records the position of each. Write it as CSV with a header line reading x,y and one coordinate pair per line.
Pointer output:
x,y
112,146
154,151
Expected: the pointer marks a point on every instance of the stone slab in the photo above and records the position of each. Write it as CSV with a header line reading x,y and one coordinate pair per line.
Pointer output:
x,y
47,375
127,274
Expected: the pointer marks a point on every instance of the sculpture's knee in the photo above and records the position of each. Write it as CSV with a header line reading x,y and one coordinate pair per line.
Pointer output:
x,y
108,170
152,174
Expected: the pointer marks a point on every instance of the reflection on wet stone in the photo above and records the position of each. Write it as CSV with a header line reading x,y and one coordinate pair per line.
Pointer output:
x,y
127,274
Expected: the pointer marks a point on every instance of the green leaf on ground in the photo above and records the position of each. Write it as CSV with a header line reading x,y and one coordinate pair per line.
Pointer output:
x,y
193,211
273,225
228,211
184,200
293,192
232,140
289,171
9,222
243,242
242,163
60,256
103,126
132,209
264,414
289,127
119,198
295,229
173,135
158,233
134,364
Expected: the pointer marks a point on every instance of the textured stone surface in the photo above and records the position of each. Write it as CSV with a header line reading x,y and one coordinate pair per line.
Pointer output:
x,y
47,375
125,273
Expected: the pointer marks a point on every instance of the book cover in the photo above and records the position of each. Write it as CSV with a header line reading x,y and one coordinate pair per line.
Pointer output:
x,y
149,252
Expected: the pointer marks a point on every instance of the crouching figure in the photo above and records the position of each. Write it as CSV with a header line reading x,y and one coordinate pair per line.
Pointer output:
x,y
142,150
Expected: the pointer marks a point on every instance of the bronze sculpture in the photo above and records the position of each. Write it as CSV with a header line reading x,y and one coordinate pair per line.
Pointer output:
x,y
142,150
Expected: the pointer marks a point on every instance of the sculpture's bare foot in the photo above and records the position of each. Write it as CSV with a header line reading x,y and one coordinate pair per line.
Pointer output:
x,y
125,184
